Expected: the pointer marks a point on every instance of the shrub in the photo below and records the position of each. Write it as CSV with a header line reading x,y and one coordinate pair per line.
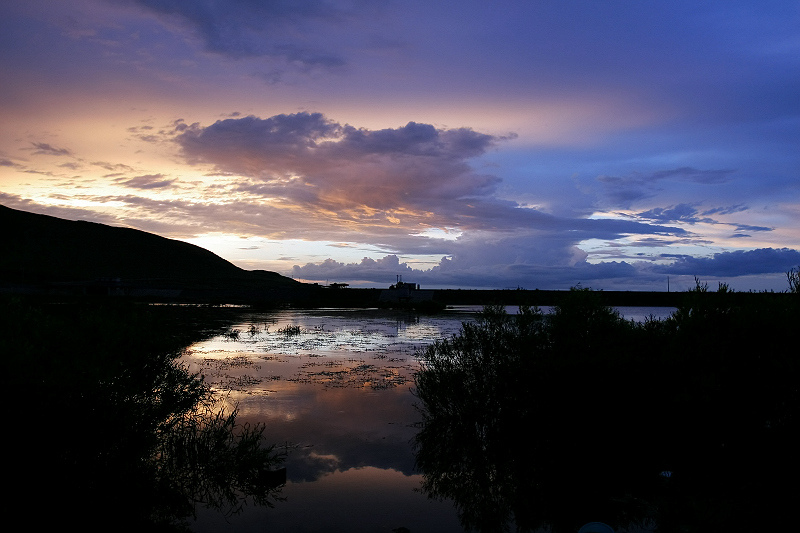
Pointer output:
x,y
555,420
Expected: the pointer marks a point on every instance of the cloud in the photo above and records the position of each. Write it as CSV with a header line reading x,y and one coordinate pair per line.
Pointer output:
x,y
47,149
685,213
678,213
736,263
308,177
625,191
113,167
726,210
375,270
682,117
259,146
447,274
747,227
693,175
150,181
406,175
391,181
283,29
16,201
606,274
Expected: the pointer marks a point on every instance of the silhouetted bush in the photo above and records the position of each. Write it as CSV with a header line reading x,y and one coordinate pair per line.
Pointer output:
x,y
111,428
684,424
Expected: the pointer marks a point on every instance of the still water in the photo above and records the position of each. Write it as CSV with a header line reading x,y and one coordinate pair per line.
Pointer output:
x,y
334,390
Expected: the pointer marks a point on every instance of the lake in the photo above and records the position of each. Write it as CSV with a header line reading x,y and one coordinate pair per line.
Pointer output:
x,y
333,387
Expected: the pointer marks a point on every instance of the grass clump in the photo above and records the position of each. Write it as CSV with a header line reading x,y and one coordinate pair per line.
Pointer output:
x,y
290,330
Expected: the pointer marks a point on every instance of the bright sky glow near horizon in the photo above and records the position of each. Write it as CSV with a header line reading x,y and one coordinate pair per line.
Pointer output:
x,y
534,144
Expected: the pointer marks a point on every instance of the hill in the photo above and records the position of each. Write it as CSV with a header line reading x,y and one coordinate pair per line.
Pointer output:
x,y
44,249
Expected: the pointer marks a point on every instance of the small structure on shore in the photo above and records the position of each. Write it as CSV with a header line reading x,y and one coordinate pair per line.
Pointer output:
x,y
400,284
405,293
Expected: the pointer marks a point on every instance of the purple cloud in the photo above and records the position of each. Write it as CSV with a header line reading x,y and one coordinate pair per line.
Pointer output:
x,y
47,149
678,213
397,180
254,28
627,190
150,181
690,215
607,274
726,210
640,126
736,263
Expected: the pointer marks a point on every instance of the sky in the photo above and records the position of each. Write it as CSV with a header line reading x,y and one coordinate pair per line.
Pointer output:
x,y
617,145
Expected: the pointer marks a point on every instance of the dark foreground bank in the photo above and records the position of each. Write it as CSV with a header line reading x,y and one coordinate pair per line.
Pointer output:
x,y
108,431
686,424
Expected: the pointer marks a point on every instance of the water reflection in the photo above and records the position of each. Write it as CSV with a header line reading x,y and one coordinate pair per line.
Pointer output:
x,y
330,348
333,387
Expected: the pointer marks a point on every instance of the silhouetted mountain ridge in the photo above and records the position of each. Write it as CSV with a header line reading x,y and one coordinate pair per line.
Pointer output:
x,y
46,248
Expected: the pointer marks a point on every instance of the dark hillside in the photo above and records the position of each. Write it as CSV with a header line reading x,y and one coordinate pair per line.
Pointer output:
x,y
40,248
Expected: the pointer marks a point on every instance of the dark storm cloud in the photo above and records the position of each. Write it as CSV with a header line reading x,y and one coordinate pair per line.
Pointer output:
x,y
736,263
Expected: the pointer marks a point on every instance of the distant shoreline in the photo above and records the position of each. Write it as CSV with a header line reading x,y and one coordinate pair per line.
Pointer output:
x,y
313,296
553,297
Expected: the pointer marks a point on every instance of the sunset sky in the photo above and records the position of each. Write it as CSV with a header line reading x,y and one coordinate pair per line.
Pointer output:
x,y
535,144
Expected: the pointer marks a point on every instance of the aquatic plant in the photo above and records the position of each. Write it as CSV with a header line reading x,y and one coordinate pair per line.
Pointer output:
x,y
290,330
232,334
